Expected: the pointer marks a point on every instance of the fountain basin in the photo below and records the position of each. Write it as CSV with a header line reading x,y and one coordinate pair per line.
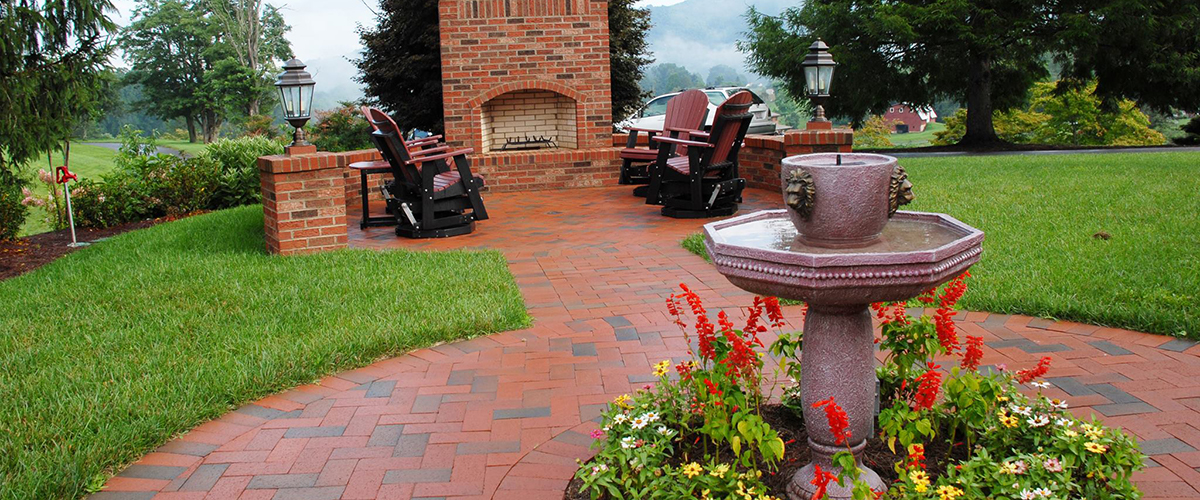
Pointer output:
x,y
915,251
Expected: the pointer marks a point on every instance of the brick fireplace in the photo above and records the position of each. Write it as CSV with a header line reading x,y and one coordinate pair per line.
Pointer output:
x,y
515,70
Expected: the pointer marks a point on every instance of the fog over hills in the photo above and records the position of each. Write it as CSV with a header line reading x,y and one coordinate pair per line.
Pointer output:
x,y
700,34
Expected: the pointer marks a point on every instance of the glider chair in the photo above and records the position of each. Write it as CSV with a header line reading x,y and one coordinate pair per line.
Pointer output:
x,y
685,115
433,193
704,182
381,167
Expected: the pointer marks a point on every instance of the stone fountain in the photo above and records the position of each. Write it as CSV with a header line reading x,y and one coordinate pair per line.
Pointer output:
x,y
839,246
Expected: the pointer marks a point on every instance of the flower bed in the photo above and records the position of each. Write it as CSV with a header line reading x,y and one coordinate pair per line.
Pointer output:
x,y
706,429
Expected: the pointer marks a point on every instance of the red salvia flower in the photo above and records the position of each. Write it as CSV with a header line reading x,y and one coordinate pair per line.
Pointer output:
x,y
1027,376
916,457
929,383
755,315
821,480
774,313
839,422
974,353
726,325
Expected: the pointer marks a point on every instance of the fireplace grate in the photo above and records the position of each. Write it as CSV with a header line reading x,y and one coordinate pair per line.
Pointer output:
x,y
528,142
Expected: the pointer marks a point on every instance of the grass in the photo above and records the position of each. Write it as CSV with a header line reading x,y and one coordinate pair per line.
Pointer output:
x,y
917,139
1040,214
188,148
111,351
87,161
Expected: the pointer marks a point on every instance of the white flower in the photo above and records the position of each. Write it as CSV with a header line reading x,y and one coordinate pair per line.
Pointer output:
x,y
1028,495
1065,422
651,417
1057,404
1042,492
639,422
627,442
662,429
620,418
1040,385
1039,421
1022,410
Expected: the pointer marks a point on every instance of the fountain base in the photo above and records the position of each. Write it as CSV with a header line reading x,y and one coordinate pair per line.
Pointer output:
x,y
801,487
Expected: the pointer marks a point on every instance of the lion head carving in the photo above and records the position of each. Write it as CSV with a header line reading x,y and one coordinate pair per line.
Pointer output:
x,y
800,192
901,192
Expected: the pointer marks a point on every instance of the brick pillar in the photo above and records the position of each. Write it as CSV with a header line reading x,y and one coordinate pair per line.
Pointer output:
x,y
819,137
304,203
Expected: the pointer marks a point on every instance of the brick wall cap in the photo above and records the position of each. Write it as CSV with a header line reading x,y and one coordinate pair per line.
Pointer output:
x,y
278,164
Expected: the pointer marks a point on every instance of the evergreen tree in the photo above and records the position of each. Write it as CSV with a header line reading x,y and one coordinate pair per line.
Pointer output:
x,y
53,68
986,53
628,54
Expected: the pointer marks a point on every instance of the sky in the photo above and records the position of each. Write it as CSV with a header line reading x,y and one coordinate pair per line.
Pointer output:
x,y
324,34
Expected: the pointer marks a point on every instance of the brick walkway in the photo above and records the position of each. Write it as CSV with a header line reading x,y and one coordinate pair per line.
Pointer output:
x,y
506,416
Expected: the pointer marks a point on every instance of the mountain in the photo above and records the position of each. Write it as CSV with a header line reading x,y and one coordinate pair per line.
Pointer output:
x,y
700,34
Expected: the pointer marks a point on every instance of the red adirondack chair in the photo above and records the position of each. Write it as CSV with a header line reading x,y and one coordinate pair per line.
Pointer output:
x,y
429,198
685,115
704,182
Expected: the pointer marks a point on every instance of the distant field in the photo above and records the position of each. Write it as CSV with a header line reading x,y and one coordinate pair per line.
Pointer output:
x,y
917,139
87,161
184,146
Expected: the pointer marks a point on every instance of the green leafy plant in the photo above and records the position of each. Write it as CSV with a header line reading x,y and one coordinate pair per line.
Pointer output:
x,y
238,160
12,209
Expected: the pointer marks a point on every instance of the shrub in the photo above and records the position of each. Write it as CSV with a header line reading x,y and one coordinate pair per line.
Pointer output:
x,y
342,129
12,210
238,160
874,134
1191,132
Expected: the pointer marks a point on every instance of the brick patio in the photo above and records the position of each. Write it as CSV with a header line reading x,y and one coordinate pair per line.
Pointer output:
x,y
505,416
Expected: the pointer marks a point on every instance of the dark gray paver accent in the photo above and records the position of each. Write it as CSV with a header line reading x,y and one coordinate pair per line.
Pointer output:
x,y
626,333
386,435
188,448
1114,394
290,414
589,412
651,338
139,471
417,476
259,411
617,321
1115,410
318,493
426,403
1164,446
574,438
411,445
311,432
1071,386
1110,348
484,447
204,477
540,411
485,384
560,344
1041,323
381,389
915,312
1179,345
461,377
122,495
583,349
1027,346
642,379
267,481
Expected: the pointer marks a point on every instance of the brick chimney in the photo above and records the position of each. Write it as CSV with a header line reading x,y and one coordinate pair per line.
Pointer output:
x,y
520,70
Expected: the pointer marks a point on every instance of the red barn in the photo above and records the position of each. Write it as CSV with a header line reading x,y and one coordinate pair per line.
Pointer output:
x,y
909,118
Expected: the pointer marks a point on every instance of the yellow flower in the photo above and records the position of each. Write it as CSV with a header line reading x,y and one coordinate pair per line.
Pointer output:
x,y
1008,420
1094,433
1008,468
692,470
920,479
719,471
623,401
1070,433
948,492
1095,447
661,368
1002,399
921,488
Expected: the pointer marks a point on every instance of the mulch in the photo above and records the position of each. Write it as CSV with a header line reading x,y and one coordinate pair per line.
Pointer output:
x,y
23,255
877,456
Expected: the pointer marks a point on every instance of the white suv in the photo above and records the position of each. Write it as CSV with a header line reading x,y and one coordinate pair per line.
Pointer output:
x,y
652,115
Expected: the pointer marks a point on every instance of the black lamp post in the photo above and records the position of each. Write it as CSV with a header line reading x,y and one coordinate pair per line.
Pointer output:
x,y
818,75
296,93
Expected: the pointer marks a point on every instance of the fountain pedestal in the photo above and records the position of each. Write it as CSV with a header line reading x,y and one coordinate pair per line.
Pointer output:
x,y
840,246
836,341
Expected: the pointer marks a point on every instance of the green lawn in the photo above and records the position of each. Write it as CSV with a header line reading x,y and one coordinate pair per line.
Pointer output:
x,y
87,161
111,351
188,148
1040,214
917,139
